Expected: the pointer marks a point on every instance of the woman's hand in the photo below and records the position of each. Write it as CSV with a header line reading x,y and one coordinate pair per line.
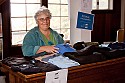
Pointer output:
x,y
50,49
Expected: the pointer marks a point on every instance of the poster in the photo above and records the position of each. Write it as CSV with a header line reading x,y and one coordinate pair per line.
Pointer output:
x,y
85,21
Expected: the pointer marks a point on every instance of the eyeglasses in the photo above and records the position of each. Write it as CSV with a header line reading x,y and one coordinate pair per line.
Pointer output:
x,y
44,19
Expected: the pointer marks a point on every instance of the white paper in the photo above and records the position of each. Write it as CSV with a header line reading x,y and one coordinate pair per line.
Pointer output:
x,y
59,76
86,6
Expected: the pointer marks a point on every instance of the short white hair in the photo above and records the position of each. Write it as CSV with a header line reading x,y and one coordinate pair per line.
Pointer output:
x,y
43,10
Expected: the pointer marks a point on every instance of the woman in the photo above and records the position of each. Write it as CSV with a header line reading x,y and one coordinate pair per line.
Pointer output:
x,y
41,39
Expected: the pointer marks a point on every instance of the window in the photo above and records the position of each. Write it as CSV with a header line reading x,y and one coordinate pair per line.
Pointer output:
x,y
102,4
60,21
22,18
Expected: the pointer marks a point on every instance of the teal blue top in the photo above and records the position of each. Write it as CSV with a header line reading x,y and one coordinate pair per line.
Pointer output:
x,y
33,40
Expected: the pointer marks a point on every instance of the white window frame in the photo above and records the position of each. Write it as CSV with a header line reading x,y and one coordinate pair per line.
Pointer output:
x,y
59,30
110,5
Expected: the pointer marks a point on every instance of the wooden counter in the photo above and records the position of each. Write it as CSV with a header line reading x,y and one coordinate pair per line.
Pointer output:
x,y
110,71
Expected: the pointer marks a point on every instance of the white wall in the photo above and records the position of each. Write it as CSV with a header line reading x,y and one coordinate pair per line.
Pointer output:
x,y
75,33
85,35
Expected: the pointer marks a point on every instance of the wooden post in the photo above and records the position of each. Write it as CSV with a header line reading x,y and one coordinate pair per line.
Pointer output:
x,y
1,1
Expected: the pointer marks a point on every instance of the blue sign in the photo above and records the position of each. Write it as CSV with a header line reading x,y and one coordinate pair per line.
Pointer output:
x,y
85,21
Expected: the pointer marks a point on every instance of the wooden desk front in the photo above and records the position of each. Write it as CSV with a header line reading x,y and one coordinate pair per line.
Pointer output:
x,y
110,71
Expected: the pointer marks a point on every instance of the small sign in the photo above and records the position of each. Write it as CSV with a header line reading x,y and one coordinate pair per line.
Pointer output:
x,y
85,21
59,76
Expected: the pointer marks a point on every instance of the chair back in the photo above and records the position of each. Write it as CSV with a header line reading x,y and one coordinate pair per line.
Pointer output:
x,y
120,35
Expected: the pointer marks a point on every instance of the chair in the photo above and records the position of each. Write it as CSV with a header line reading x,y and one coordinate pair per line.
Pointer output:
x,y
120,35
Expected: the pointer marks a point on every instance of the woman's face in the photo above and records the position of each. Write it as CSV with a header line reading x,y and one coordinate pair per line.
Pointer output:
x,y
43,21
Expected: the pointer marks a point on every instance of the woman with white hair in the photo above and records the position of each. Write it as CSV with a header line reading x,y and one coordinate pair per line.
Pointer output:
x,y
41,39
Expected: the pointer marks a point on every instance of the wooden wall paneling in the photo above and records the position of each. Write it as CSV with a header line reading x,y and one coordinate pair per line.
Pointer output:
x,y
2,1
108,21
16,51
107,26
98,28
45,2
5,9
116,19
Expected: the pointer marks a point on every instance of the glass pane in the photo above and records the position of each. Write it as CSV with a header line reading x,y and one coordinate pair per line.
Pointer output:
x,y
33,1
17,37
18,24
66,33
31,23
94,4
32,8
55,22
53,1
18,10
65,22
64,1
58,30
17,1
23,1
103,4
54,9
64,10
